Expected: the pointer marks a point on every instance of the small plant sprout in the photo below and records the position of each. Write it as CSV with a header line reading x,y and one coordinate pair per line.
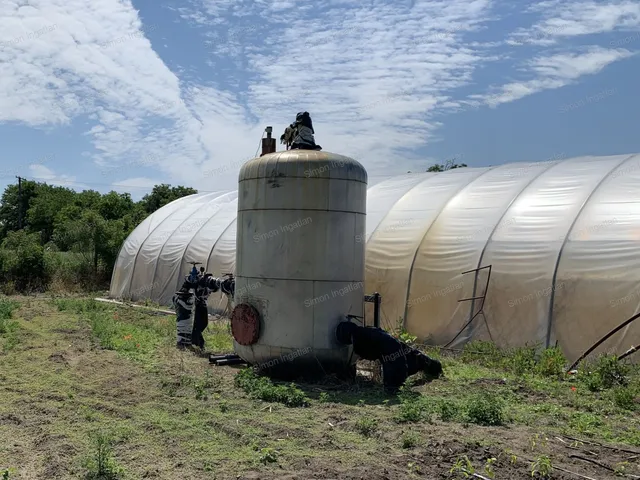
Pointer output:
x,y
488,467
621,469
463,466
268,455
542,466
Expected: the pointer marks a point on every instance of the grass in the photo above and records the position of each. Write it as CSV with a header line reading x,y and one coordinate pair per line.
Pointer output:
x,y
94,390
9,328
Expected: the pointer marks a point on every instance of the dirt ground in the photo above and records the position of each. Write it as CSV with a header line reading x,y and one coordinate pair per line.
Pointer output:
x,y
58,386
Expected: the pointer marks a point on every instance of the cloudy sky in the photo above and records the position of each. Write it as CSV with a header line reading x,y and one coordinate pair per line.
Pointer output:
x,y
123,95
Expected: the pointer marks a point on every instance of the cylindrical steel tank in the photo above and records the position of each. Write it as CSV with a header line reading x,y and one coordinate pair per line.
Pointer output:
x,y
299,259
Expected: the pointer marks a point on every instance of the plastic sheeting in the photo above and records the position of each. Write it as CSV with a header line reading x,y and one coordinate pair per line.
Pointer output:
x,y
562,239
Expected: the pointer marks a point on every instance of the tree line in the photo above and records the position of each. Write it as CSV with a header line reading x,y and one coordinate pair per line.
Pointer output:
x,y
56,237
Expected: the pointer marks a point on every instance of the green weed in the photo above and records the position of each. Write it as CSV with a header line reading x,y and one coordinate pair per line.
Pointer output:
x,y
448,410
552,362
485,409
367,426
623,397
268,455
410,439
604,373
413,407
523,360
101,465
264,389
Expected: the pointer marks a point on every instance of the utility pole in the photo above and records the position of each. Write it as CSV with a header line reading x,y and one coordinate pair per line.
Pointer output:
x,y
19,202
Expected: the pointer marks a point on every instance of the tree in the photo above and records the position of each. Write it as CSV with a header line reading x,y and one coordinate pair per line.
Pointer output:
x,y
82,235
45,206
447,165
10,209
114,205
164,194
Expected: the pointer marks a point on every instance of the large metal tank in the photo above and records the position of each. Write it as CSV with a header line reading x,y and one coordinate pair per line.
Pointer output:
x,y
299,260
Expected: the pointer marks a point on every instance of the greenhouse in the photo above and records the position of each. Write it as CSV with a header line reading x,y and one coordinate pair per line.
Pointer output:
x,y
522,253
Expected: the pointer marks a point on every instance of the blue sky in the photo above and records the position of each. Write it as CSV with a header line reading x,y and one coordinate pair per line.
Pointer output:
x,y
120,95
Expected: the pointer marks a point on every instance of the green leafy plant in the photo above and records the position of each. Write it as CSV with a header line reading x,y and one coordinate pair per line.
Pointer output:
x,y
268,455
605,372
448,410
620,469
624,398
464,467
101,465
552,362
404,336
413,408
485,409
410,439
263,388
523,360
488,467
542,466
367,426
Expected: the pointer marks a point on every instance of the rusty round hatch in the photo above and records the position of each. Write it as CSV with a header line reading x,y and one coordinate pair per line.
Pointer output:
x,y
245,324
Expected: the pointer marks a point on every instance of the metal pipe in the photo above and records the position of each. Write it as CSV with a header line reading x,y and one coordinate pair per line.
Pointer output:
x,y
376,309
602,340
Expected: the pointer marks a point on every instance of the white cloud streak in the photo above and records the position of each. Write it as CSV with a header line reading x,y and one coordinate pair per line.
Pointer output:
x,y
376,79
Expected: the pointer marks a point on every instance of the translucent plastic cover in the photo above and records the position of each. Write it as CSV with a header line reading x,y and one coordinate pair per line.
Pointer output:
x,y
562,239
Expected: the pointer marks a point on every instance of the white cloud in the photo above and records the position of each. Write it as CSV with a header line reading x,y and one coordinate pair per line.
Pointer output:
x,y
553,72
45,174
563,19
375,78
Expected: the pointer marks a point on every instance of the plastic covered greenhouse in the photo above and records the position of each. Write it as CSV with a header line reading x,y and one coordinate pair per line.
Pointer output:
x,y
562,240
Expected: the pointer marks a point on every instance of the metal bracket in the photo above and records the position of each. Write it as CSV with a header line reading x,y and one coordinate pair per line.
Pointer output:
x,y
376,299
473,299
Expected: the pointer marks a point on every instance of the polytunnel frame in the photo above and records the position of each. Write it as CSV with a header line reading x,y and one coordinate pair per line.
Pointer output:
x,y
184,253
135,258
415,255
493,231
381,221
566,239
155,268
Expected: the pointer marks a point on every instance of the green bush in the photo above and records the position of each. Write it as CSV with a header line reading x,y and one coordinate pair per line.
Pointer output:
x,y
523,360
22,262
485,409
624,397
410,440
413,407
448,410
8,327
367,426
552,362
7,307
604,373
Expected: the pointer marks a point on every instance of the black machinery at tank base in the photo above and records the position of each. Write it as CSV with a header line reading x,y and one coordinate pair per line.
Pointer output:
x,y
234,359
